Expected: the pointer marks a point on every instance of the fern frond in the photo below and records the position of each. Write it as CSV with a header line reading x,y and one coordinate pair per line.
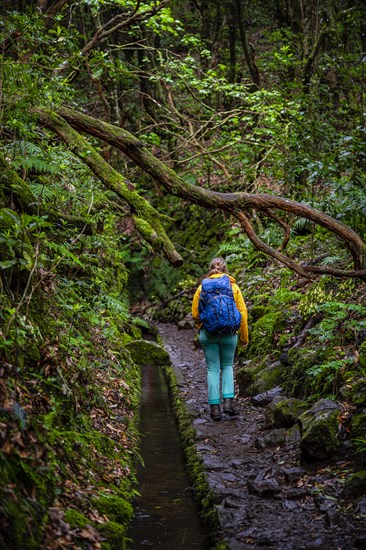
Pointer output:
x,y
44,191
113,304
330,260
36,164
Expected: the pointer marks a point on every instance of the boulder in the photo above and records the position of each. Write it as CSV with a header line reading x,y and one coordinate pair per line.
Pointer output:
x,y
263,399
274,438
319,429
144,352
287,411
264,487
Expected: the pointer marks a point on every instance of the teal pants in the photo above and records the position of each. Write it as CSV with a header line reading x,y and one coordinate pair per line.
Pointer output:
x,y
219,353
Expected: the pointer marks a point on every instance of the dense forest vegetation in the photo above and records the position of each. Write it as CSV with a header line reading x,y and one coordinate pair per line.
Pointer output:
x,y
138,140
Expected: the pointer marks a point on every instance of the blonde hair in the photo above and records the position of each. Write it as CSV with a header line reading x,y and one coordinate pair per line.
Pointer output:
x,y
217,265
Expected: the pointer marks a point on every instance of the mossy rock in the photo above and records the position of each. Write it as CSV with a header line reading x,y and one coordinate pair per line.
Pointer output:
x,y
266,379
116,508
144,352
356,485
286,411
115,535
75,518
319,429
245,376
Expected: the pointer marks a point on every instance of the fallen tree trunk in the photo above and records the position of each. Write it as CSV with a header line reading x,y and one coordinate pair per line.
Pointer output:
x,y
146,218
233,203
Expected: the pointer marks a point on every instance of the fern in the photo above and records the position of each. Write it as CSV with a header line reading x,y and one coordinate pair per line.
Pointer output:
x,y
115,305
63,251
43,191
330,260
36,164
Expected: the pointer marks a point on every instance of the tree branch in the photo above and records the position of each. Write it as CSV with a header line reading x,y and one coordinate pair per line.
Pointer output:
x,y
233,203
146,218
116,23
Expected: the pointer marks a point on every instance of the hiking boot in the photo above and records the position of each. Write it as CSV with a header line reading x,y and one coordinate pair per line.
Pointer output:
x,y
228,407
215,412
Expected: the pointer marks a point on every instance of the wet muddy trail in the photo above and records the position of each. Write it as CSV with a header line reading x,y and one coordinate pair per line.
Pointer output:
x,y
266,496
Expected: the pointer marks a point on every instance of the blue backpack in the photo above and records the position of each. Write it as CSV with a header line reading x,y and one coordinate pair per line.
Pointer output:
x,y
217,307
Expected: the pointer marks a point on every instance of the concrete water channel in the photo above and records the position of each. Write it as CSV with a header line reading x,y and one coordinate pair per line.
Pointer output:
x,y
166,515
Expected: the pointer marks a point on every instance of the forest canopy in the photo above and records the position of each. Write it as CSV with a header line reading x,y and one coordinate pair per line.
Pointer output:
x,y
265,102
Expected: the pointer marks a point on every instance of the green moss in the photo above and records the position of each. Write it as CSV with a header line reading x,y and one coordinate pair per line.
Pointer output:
x,y
358,425
362,354
267,378
296,379
246,375
195,467
75,518
115,535
256,312
263,333
115,507
286,411
358,393
144,352
24,510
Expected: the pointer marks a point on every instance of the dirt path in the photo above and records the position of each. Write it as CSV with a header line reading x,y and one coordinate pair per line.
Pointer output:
x,y
266,498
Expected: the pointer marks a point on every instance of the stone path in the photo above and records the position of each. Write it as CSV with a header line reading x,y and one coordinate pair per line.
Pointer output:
x,y
265,496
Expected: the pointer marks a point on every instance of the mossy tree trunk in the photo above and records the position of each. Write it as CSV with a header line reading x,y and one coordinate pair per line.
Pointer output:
x,y
237,204
147,220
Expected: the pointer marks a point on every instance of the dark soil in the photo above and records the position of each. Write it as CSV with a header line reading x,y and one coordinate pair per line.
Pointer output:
x,y
266,495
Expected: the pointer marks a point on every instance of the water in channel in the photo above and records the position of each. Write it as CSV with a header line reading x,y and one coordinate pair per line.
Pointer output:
x,y
165,513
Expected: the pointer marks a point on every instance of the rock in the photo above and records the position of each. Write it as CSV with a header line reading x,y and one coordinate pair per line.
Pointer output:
x,y
272,439
319,429
269,410
293,474
144,352
286,412
267,378
230,517
213,463
186,323
356,485
297,494
293,436
264,487
361,507
266,397
290,505
337,519
245,439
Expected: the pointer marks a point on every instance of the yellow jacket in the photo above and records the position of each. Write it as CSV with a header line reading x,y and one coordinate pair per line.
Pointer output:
x,y
240,304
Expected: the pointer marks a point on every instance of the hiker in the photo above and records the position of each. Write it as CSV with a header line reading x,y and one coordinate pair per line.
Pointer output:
x,y
220,327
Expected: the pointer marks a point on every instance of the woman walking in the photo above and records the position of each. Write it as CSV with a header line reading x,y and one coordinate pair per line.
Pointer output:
x,y
219,311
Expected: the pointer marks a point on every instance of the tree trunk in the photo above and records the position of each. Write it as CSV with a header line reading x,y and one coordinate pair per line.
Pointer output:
x,y
248,53
233,203
146,218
